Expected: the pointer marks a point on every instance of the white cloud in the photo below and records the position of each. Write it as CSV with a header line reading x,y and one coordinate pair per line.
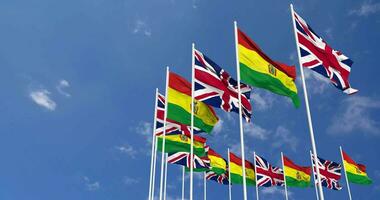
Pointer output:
x,y
127,149
91,186
367,8
255,131
355,114
141,27
41,97
218,127
283,137
61,86
328,33
130,180
145,129
271,191
315,82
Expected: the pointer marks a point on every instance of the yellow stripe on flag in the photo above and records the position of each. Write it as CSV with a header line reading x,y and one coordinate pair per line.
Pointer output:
x,y
183,139
238,170
353,169
296,174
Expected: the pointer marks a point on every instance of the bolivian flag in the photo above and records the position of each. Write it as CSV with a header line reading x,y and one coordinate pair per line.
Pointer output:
x,y
179,105
217,163
182,143
356,173
295,175
236,171
258,70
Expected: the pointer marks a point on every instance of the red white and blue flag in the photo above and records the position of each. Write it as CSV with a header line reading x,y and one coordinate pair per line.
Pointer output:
x,y
268,175
215,87
222,178
183,158
317,55
330,173
172,127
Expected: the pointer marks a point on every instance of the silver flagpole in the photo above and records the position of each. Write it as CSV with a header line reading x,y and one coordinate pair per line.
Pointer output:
x,y
164,134
307,107
154,168
204,186
192,122
152,161
240,112
257,186
345,173
312,169
183,183
166,174
283,168
229,176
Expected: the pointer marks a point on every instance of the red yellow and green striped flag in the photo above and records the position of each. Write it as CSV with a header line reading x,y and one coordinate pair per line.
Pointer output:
x,y
356,173
182,143
179,105
295,175
258,70
217,163
236,171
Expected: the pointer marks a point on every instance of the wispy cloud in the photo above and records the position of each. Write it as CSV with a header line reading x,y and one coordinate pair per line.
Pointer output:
x,y
255,131
127,149
41,97
271,191
91,186
145,129
262,100
61,86
218,128
141,27
317,84
283,137
355,114
366,8
130,181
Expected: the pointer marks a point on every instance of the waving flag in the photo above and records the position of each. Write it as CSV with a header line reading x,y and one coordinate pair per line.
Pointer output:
x,y
182,143
236,168
330,173
317,55
215,87
179,105
222,178
257,69
183,158
172,127
217,163
295,175
356,173
267,175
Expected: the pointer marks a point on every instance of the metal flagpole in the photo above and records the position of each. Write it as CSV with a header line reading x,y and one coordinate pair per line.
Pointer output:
x,y
154,168
166,174
192,122
283,168
345,173
240,112
183,183
312,168
314,148
152,161
229,176
204,186
257,187
164,134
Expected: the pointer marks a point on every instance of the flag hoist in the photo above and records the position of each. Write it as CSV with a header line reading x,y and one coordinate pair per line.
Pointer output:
x,y
192,120
310,123
240,111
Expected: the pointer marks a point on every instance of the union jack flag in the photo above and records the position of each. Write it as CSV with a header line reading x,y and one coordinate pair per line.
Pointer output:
x,y
222,178
268,175
184,159
317,55
215,87
172,127
330,173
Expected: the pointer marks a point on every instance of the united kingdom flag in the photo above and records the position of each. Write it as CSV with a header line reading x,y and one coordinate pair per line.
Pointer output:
x,y
268,175
222,178
183,158
172,127
215,87
330,173
317,55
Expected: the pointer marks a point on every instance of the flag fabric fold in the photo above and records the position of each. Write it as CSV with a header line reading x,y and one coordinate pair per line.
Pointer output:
x,y
268,175
182,143
179,105
219,178
257,69
295,175
215,87
318,56
200,164
236,172
356,173
217,163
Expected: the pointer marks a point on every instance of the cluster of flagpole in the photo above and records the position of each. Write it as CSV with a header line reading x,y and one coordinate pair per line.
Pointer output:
x,y
163,169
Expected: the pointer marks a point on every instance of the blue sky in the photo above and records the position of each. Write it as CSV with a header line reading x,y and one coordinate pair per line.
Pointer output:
x,y
78,80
